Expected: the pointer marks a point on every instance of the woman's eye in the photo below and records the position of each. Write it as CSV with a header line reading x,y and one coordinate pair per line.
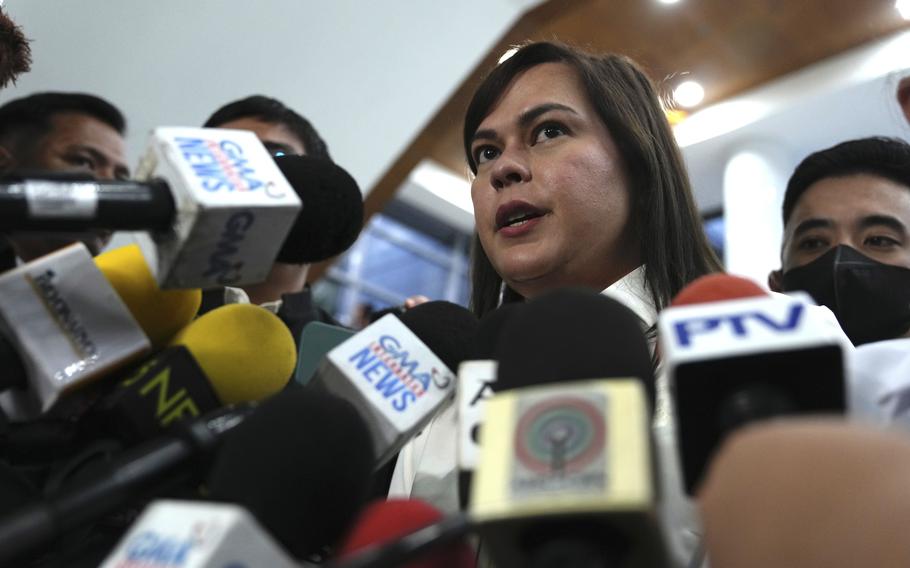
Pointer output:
x,y
548,131
485,154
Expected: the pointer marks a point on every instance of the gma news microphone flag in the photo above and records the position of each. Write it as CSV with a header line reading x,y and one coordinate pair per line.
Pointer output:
x,y
734,361
565,452
391,377
233,206
197,535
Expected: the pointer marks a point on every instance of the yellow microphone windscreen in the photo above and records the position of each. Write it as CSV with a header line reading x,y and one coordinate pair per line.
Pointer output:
x,y
245,350
160,313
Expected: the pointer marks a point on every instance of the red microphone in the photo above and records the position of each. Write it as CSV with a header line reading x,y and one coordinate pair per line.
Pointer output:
x,y
390,533
717,287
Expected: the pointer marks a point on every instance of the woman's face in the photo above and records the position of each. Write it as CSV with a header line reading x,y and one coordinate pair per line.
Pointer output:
x,y
551,199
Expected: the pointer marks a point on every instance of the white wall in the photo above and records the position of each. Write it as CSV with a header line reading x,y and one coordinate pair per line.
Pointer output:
x,y
369,74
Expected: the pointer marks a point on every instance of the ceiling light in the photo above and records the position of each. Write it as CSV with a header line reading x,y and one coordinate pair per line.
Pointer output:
x,y
668,1
903,6
688,93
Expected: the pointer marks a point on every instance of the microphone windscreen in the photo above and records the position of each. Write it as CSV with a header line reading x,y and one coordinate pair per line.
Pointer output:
x,y
160,313
489,330
15,490
446,328
717,287
386,521
245,350
332,213
302,464
572,334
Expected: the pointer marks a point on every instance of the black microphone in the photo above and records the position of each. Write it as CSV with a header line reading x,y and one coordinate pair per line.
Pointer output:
x,y
566,475
569,335
476,379
301,465
40,202
332,213
113,485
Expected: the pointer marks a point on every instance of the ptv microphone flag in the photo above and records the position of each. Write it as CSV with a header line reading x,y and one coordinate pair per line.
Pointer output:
x,y
391,377
734,361
197,535
233,206
67,326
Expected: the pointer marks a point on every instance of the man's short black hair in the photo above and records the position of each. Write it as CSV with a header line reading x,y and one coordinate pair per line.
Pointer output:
x,y
888,158
272,111
29,118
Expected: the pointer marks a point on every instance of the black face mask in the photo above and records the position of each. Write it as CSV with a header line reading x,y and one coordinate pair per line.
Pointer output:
x,y
870,299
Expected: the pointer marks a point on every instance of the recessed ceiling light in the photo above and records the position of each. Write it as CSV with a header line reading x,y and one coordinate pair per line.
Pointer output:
x,y
668,1
903,6
688,93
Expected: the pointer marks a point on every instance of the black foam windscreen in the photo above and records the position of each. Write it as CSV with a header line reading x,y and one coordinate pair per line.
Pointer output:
x,y
15,490
332,213
489,330
301,464
572,334
446,328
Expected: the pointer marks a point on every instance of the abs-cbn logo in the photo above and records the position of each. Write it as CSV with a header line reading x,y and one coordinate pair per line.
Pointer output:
x,y
219,165
394,374
60,310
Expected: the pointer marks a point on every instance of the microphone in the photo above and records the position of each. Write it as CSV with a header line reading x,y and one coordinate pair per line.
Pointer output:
x,y
197,535
113,485
236,353
316,340
301,465
216,203
752,357
565,475
332,213
476,383
160,313
391,533
397,372
811,493
245,346
62,325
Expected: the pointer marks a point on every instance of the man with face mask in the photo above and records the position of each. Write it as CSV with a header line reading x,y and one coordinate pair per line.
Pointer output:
x,y
847,243
847,236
